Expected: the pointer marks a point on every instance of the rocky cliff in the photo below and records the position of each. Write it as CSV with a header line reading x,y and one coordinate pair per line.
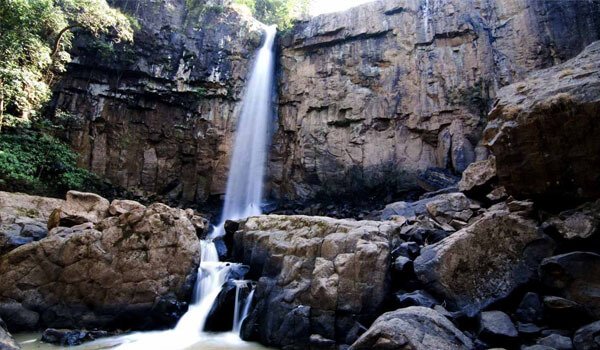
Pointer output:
x,y
159,116
374,96
369,99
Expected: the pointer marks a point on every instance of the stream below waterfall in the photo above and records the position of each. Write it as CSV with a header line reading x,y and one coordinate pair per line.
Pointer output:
x,y
243,198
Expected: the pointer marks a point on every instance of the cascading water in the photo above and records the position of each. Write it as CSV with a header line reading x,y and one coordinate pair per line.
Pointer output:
x,y
243,198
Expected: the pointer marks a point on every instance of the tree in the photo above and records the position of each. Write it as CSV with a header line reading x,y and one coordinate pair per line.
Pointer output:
x,y
35,36
279,12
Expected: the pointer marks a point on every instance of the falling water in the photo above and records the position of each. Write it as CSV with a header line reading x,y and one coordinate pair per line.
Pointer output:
x,y
237,326
243,198
245,183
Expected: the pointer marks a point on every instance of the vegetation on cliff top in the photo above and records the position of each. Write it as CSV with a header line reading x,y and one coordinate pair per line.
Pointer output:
x,y
279,12
35,37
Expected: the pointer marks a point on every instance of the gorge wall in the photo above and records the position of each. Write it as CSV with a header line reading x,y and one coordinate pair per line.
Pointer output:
x,y
159,117
374,96
368,98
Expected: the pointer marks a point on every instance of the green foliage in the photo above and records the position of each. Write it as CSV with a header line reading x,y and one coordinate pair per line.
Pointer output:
x,y
36,162
35,36
279,12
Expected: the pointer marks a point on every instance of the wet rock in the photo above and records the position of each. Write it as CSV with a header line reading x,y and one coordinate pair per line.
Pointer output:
x,y
168,309
588,337
405,209
576,276
415,328
511,247
68,337
580,223
7,342
478,177
545,122
557,342
220,318
416,298
316,276
106,275
496,327
530,309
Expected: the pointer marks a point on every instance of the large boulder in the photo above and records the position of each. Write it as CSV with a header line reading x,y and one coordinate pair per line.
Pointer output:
x,y
478,176
415,328
580,223
544,131
575,276
110,275
81,207
318,278
588,337
485,262
23,219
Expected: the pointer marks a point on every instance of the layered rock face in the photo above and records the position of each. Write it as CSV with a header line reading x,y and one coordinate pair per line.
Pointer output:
x,y
375,95
322,279
117,272
159,116
545,133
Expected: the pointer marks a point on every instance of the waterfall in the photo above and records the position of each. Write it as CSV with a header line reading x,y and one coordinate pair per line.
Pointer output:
x,y
242,199
237,325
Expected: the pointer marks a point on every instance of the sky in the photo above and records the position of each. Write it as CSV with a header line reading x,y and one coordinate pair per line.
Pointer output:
x,y
318,7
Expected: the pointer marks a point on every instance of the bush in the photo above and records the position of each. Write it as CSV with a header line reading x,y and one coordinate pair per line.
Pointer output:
x,y
35,162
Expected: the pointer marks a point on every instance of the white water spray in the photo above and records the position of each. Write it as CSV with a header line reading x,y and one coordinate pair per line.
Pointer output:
x,y
243,198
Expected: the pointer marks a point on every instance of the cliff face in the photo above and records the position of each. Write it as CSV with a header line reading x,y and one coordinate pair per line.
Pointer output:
x,y
159,116
368,98
373,96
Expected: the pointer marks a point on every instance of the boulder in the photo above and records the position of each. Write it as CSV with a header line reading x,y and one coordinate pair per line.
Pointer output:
x,y
479,176
316,276
23,230
122,206
447,207
575,276
7,342
485,262
18,205
544,132
416,328
561,312
557,341
106,275
530,309
588,337
496,327
435,179
81,207
71,337
580,223
416,298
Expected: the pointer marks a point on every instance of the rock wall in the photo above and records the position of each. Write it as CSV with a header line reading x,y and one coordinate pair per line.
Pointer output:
x,y
158,116
373,96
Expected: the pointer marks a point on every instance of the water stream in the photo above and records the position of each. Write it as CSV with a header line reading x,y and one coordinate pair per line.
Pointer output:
x,y
243,198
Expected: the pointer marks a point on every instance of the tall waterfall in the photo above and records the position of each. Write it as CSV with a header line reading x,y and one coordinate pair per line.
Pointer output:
x,y
243,198
246,175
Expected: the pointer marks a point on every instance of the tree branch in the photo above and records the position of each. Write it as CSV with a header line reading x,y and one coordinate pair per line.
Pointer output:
x,y
59,38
